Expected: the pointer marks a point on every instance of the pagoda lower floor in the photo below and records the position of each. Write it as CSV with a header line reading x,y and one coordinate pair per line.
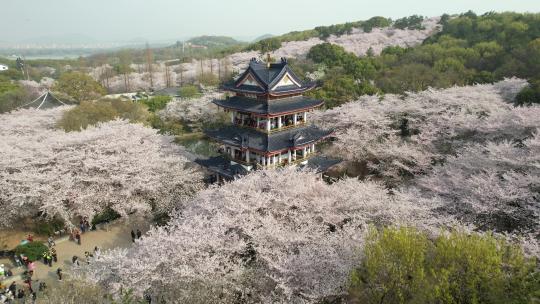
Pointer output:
x,y
253,148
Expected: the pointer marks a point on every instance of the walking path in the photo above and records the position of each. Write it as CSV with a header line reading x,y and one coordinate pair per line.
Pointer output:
x,y
106,237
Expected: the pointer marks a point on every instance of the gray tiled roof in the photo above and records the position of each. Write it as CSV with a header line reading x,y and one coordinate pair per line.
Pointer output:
x,y
322,163
253,139
277,106
173,91
222,165
268,77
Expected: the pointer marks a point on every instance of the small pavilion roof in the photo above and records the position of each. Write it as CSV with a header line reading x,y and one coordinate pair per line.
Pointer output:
x,y
269,107
321,163
172,91
222,165
273,142
46,101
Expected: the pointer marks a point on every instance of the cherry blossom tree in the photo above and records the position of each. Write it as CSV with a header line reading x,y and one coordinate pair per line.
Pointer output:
x,y
400,136
199,110
127,167
493,185
279,235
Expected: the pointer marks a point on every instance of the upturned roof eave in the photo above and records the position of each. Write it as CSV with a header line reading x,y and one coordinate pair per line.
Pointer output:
x,y
269,151
267,113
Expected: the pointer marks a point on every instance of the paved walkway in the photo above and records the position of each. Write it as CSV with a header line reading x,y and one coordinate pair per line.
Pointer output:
x,y
106,237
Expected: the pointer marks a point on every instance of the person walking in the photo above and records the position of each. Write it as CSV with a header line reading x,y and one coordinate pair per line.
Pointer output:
x,y
59,274
17,260
78,237
75,260
139,234
87,256
81,226
133,236
49,259
54,255
51,242
13,288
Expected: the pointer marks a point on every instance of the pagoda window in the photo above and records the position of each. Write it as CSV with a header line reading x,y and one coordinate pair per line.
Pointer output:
x,y
299,117
261,123
273,123
288,120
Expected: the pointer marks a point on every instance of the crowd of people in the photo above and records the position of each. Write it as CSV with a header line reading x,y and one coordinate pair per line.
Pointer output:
x,y
29,287
18,292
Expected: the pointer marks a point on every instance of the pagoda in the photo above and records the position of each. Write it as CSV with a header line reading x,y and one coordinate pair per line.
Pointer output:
x,y
269,119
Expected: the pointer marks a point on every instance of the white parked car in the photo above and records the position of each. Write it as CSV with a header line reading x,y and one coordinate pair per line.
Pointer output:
x,y
3,67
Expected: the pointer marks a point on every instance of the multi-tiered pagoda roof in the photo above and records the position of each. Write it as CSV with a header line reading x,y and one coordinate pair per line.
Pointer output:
x,y
269,79
269,121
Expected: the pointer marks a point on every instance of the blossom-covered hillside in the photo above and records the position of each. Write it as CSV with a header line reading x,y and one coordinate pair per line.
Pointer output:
x,y
358,42
468,147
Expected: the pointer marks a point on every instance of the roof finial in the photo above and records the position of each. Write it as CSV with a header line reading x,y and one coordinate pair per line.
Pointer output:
x,y
268,59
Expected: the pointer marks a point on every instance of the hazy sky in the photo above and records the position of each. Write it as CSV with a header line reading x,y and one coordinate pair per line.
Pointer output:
x,y
110,20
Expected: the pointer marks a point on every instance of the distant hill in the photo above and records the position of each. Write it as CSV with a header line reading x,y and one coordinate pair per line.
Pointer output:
x,y
214,41
265,36
62,39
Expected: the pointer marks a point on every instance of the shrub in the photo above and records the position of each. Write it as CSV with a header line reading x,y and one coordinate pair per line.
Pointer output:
x,y
48,227
105,216
93,112
529,94
401,265
33,250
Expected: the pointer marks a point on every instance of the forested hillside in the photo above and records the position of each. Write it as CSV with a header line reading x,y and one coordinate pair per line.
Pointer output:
x,y
469,49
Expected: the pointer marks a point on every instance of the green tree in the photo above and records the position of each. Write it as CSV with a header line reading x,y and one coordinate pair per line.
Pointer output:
x,y
375,22
157,103
338,89
189,91
391,270
529,95
401,265
79,86
208,79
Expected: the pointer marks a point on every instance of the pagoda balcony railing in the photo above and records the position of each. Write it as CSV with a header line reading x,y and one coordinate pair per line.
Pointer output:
x,y
242,161
296,161
283,128
284,162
